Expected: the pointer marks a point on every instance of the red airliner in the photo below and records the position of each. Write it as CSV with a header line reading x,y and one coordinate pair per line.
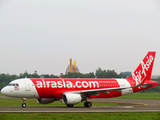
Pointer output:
x,y
76,90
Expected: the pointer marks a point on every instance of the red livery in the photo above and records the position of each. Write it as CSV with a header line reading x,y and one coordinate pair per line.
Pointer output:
x,y
75,90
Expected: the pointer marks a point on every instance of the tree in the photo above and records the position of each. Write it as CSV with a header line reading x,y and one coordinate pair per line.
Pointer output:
x,y
111,74
99,73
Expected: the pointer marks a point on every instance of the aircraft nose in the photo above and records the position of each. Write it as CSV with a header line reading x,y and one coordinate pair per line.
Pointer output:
x,y
4,91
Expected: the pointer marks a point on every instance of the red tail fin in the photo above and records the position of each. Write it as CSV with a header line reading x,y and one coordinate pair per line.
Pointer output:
x,y
144,70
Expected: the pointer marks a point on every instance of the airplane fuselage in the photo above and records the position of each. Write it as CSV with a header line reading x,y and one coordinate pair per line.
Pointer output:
x,y
55,87
75,90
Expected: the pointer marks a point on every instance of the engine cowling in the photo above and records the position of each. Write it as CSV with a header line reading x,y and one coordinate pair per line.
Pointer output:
x,y
45,100
71,99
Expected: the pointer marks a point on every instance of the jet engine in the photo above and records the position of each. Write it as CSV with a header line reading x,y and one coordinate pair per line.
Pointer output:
x,y
45,100
71,99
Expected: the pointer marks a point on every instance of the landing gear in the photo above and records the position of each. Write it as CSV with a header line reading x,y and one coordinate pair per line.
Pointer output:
x,y
70,105
87,104
24,102
24,105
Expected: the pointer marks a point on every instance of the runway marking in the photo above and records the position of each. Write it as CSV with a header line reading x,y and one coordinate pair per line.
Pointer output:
x,y
112,107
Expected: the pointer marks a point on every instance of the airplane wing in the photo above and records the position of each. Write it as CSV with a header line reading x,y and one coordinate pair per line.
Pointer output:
x,y
88,93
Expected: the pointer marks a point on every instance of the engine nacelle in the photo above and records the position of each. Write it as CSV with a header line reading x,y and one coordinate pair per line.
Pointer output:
x,y
71,99
45,100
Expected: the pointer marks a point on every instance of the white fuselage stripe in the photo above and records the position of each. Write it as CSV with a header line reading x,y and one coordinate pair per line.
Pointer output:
x,y
125,83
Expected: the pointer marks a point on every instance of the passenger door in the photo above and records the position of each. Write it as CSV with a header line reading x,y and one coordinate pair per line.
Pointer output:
x,y
27,86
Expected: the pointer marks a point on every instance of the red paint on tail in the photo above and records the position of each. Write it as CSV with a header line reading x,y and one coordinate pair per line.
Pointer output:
x,y
144,70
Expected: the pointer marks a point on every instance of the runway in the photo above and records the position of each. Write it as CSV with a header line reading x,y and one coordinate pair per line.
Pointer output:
x,y
79,109
127,105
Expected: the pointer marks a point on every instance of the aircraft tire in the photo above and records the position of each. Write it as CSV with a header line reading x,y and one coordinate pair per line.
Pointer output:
x,y
70,105
24,105
87,104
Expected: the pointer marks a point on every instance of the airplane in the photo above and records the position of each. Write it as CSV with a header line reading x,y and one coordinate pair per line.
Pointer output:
x,y
75,90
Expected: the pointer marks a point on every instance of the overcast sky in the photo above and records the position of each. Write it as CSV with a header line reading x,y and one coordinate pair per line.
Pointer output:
x,y
43,35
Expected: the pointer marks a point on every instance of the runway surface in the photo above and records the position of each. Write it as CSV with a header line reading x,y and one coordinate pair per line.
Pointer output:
x,y
127,105
79,109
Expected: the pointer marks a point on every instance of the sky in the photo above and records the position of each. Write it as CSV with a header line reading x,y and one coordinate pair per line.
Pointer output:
x,y
43,35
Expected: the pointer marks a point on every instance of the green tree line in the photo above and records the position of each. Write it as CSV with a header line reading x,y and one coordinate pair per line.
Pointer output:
x,y
7,78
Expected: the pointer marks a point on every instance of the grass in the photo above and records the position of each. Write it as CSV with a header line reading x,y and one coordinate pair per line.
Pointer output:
x,y
33,102
148,96
1,94
73,116
84,116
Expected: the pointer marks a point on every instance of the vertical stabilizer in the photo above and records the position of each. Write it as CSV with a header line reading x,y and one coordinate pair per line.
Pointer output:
x,y
144,70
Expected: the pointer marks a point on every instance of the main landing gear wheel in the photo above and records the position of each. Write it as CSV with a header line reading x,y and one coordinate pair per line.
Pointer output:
x,y
87,104
70,105
24,102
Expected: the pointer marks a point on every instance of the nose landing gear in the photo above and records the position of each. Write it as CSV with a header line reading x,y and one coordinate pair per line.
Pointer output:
x,y
24,102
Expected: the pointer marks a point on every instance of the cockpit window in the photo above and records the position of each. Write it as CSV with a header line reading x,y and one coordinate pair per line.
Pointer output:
x,y
13,84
